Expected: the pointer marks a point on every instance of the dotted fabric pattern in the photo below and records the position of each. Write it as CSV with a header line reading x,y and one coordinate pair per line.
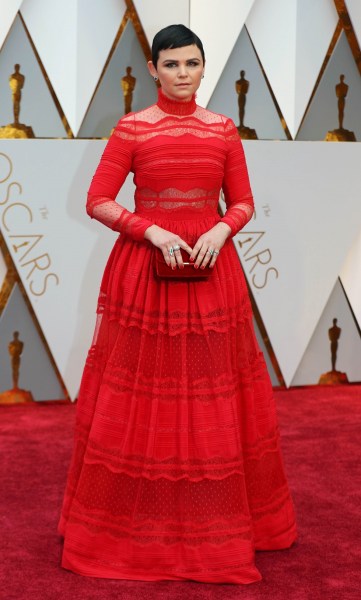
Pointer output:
x,y
176,470
159,146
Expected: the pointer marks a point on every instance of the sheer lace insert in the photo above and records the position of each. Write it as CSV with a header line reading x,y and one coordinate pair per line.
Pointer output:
x,y
169,199
173,192
181,158
116,217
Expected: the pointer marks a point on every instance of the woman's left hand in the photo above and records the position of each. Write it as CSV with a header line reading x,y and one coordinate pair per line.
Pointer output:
x,y
206,250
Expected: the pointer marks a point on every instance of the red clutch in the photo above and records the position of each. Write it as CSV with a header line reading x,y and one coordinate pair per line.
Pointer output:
x,y
188,272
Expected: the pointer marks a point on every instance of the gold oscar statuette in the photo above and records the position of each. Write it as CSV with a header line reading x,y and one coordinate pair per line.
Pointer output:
x,y
16,129
128,83
242,87
15,395
333,377
341,134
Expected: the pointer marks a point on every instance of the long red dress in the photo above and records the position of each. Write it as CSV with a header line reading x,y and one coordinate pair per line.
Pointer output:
x,y
176,471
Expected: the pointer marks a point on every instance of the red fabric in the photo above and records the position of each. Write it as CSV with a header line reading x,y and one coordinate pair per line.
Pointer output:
x,y
176,471
167,178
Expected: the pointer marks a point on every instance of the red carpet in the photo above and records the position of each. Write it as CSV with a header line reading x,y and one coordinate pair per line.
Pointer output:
x,y
321,442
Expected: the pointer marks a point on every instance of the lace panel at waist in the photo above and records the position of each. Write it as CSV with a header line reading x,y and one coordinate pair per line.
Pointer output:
x,y
174,203
172,193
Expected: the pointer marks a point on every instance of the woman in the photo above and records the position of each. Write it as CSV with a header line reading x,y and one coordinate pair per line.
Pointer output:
x,y
176,471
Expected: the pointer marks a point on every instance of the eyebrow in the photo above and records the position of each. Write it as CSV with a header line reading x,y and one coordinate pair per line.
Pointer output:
x,y
175,61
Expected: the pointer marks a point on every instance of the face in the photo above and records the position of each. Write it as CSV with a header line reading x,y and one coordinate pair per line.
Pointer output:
x,y
180,71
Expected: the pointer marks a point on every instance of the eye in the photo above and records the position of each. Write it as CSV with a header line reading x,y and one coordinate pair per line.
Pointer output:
x,y
170,65
193,63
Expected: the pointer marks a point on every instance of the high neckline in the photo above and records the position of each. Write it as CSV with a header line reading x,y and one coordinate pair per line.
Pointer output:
x,y
176,107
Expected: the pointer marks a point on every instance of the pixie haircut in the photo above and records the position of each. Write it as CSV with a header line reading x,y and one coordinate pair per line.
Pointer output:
x,y
174,36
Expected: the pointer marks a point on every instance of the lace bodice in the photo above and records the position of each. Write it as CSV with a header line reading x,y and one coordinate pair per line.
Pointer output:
x,y
181,155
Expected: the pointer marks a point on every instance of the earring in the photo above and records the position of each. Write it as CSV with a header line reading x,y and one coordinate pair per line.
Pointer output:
x,y
155,78
203,76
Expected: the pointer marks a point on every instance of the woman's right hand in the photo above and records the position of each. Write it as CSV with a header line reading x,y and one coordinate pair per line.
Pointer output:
x,y
165,240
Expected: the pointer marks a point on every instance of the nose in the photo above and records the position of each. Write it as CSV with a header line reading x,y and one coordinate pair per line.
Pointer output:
x,y
182,71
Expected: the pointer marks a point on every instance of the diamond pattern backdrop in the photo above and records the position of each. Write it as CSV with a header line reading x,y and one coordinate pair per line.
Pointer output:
x,y
307,229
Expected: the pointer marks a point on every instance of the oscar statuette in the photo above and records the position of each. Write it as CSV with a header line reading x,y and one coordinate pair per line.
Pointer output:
x,y
15,395
341,134
16,129
333,377
242,87
128,84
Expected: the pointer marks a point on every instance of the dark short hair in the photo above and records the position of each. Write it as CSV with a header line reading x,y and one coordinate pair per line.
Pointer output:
x,y
174,36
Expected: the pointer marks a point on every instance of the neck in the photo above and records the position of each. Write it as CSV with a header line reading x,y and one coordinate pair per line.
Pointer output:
x,y
176,107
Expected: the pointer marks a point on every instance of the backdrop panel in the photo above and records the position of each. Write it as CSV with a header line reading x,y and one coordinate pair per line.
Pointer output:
x,y
3,269
322,115
291,38
317,358
108,104
354,10
351,279
73,40
9,9
306,231
260,110
155,14
218,24
58,251
288,250
37,107
37,374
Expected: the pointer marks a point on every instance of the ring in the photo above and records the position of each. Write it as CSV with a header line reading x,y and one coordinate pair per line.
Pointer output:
x,y
171,251
211,252
176,247
216,252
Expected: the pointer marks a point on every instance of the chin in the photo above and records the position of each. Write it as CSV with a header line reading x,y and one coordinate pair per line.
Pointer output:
x,y
183,93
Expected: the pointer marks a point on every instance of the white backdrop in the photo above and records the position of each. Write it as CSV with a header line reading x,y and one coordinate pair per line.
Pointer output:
x,y
306,233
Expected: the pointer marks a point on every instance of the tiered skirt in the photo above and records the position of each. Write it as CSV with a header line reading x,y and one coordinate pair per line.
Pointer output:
x,y
176,471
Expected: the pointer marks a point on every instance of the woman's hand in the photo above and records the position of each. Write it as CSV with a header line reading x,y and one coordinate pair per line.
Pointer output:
x,y
165,240
208,246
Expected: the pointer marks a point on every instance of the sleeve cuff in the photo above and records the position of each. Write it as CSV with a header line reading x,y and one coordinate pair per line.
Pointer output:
x,y
229,222
139,229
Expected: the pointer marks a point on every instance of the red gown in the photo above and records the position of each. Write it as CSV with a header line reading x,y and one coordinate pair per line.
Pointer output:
x,y
176,471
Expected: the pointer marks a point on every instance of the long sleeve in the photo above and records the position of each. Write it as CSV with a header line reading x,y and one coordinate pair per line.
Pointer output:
x,y
236,186
113,168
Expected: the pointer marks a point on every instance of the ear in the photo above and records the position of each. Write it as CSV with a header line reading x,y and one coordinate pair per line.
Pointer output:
x,y
152,70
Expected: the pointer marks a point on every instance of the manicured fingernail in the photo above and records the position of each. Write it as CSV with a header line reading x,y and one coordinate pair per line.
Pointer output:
x,y
191,259
196,266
